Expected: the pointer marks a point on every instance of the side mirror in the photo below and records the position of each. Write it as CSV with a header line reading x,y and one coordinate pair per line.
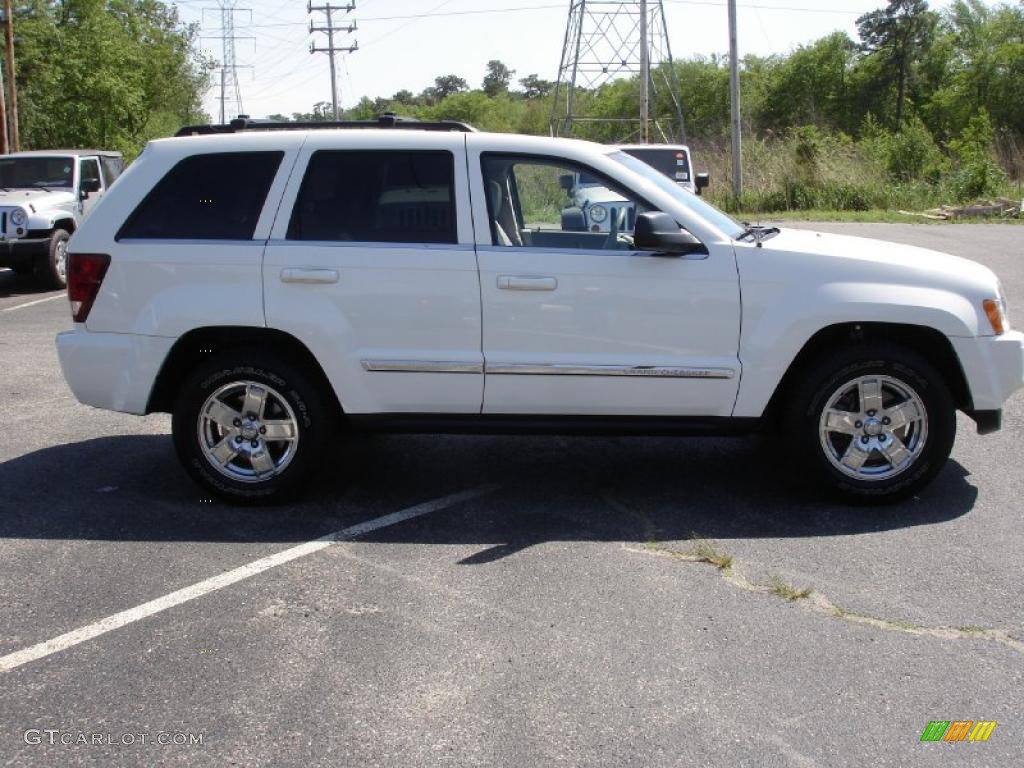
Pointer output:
x,y
701,181
659,232
90,185
565,181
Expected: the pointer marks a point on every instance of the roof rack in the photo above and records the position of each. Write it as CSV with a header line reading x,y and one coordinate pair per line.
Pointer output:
x,y
245,123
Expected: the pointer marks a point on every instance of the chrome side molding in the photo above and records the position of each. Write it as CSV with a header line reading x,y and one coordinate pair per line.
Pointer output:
x,y
549,369
421,366
653,371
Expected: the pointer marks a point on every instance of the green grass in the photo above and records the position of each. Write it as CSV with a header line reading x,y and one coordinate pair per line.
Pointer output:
x,y
876,216
788,591
706,552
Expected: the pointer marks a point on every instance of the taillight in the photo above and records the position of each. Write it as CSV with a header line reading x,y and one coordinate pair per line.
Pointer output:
x,y
85,274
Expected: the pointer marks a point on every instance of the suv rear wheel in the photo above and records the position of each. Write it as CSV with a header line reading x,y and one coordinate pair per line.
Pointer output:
x,y
873,422
250,426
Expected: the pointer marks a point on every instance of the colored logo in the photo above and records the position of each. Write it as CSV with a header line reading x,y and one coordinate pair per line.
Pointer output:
x,y
958,730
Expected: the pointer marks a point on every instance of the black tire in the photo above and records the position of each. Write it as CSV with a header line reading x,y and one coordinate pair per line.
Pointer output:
x,y
902,367
54,268
314,410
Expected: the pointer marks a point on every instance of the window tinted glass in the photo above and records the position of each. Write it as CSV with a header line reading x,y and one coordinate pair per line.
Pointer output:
x,y
90,169
376,196
671,162
207,197
112,167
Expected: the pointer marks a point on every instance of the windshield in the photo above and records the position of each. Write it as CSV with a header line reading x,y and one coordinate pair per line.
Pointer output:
x,y
30,172
705,210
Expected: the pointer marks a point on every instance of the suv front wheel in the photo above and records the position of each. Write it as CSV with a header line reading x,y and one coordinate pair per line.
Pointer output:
x,y
872,422
56,269
251,427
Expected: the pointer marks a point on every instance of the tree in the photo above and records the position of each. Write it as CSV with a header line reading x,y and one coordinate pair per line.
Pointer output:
x,y
446,85
810,86
898,35
535,88
404,97
497,78
106,73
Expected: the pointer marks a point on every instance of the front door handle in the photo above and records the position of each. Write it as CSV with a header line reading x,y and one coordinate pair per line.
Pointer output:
x,y
526,283
298,275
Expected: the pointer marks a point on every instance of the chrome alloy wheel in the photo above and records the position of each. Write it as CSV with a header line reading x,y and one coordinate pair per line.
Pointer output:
x,y
873,427
248,431
60,259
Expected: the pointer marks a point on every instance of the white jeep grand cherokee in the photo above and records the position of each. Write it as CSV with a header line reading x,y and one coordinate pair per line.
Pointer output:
x,y
268,287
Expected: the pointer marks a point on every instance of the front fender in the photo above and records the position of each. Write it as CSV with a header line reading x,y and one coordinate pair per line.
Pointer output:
x,y
48,220
778,324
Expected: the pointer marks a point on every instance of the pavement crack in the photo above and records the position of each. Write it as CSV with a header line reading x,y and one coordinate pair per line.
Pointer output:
x,y
704,552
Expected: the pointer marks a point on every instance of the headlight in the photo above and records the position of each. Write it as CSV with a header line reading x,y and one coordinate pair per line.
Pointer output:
x,y
18,217
995,310
598,213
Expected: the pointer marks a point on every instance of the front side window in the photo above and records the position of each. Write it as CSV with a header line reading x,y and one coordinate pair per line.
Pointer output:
x,y
546,203
377,197
206,197
90,170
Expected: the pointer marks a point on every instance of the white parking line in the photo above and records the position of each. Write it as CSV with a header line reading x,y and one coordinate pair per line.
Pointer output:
x,y
130,616
33,303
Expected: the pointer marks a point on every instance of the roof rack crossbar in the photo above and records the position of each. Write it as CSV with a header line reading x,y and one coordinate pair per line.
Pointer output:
x,y
387,120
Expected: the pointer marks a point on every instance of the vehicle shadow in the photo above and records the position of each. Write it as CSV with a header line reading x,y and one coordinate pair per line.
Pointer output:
x,y
131,488
13,284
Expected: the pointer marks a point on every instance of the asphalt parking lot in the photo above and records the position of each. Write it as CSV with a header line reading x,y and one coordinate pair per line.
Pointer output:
x,y
535,601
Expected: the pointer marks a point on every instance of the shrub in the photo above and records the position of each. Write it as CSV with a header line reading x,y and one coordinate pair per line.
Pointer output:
x,y
977,174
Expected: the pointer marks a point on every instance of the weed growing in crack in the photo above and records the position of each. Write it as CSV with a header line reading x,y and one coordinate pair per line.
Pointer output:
x,y
788,591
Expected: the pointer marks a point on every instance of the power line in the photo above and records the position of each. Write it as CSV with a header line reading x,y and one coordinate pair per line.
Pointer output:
x,y
547,7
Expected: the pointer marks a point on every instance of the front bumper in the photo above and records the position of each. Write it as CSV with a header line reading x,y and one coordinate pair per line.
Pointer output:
x,y
22,250
994,368
114,371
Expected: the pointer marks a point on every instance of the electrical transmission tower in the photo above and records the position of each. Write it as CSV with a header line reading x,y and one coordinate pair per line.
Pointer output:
x,y
605,41
230,87
331,30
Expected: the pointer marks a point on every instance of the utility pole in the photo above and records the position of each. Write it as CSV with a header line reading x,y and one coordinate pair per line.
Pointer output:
x,y
230,87
330,30
645,76
12,88
4,149
734,90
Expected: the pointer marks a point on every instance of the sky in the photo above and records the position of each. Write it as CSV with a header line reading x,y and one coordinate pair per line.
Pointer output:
x,y
405,44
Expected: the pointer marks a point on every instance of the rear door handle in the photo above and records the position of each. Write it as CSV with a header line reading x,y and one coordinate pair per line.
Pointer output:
x,y
298,275
526,283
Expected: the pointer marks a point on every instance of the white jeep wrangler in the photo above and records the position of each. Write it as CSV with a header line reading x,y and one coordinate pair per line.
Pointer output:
x,y
269,286
44,195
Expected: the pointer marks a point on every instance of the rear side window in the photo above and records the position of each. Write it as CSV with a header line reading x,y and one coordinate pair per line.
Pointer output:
x,y
206,197
672,162
112,167
377,196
